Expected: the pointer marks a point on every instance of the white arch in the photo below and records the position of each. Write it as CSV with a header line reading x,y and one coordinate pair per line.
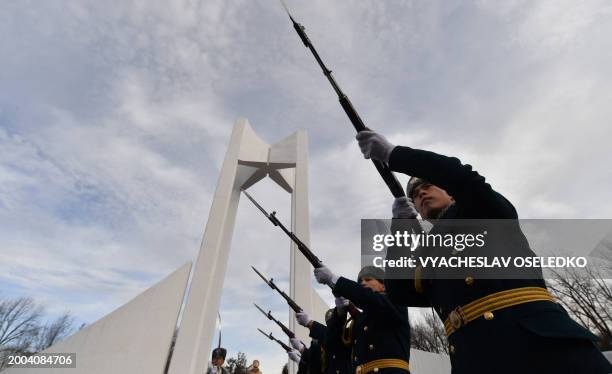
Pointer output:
x,y
248,160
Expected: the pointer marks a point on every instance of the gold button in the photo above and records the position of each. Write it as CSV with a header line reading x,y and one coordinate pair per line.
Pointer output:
x,y
371,347
469,281
376,370
365,328
334,357
488,316
451,349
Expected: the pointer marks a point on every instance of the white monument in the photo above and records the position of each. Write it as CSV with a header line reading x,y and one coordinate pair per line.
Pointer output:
x,y
248,160
135,338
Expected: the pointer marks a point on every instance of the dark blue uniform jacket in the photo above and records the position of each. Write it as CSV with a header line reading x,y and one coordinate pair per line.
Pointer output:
x,y
537,337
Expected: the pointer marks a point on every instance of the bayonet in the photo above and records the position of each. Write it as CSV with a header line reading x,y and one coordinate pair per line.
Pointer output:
x,y
285,329
296,308
310,256
269,336
383,169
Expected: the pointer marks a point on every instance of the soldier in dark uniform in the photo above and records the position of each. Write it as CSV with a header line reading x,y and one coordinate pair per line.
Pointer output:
x,y
314,355
381,333
335,350
493,325
308,359
338,344
296,356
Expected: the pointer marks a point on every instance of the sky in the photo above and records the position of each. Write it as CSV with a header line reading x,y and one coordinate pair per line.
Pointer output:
x,y
115,117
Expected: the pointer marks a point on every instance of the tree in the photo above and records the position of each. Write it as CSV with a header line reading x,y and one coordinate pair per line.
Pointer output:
x,y
53,332
428,335
23,333
587,296
19,326
238,364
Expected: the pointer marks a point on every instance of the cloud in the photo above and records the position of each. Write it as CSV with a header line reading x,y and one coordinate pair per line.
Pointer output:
x,y
115,117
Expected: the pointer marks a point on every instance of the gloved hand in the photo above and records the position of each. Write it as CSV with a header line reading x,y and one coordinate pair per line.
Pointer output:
x,y
303,319
403,207
341,303
297,344
325,276
374,146
294,356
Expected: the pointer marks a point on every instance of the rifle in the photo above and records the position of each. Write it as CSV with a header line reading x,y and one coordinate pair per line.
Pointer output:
x,y
285,329
314,260
292,304
383,169
310,256
269,336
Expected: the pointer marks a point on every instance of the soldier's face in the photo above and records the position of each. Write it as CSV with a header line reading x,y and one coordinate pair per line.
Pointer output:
x,y
218,361
430,200
373,284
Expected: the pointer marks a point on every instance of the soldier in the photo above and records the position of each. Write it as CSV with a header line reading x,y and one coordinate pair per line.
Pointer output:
x,y
338,344
296,356
381,333
336,351
493,325
308,359
217,361
316,352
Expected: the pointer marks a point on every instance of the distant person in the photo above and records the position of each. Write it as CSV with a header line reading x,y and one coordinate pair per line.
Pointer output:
x,y
254,368
217,362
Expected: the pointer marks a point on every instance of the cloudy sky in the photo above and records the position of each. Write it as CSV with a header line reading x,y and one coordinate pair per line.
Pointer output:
x,y
115,116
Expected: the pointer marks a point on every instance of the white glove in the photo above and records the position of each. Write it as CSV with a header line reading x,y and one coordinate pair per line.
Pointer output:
x,y
341,303
294,356
302,319
325,276
297,344
403,207
374,146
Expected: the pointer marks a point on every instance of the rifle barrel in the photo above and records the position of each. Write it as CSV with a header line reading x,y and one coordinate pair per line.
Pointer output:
x,y
387,175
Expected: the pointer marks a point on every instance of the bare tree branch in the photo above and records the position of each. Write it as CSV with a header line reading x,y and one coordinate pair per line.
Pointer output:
x,y
588,297
53,332
429,335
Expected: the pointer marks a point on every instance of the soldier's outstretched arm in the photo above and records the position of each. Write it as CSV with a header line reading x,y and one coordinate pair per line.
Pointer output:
x,y
448,173
317,331
365,298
